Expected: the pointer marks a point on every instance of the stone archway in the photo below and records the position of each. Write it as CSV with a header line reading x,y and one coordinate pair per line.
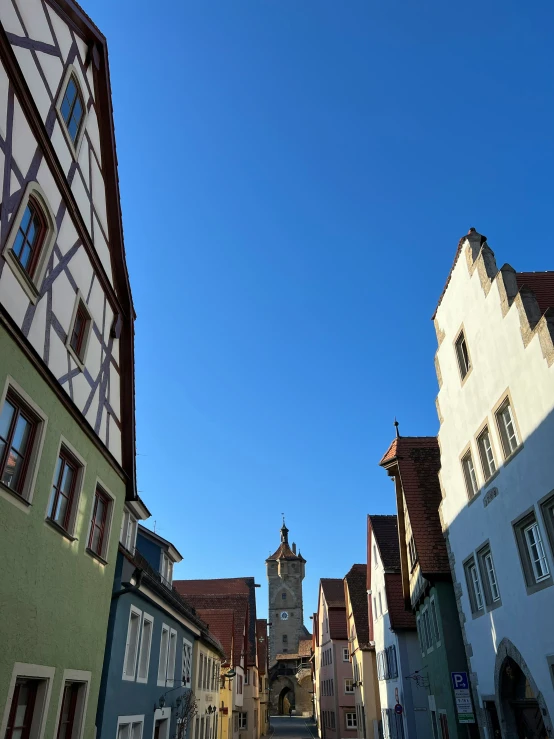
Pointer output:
x,y
286,701
282,695
522,711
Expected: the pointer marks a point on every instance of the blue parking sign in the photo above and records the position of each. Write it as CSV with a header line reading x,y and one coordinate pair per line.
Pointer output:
x,y
460,681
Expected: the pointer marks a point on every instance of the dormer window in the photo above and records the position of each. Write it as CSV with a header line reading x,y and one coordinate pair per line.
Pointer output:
x,y
72,108
128,536
166,570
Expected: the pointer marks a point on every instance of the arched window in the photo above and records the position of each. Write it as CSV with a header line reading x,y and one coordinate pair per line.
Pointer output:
x,y
30,237
284,595
72,108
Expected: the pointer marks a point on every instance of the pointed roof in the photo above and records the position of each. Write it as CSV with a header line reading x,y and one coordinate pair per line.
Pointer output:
x,y
355,581
333,590
221,624
284,551
385,532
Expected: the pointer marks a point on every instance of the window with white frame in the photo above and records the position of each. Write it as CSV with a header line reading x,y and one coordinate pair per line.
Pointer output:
x,y
247,676
145,646
72,709
172,652
380,603
164,647
348,685
243,720
345,655
474,586
469,475
491,590
130,727
132,644
488,463
187,664
434,621
166,569
462,355
507,428
426,622
128,536
375,557
351,721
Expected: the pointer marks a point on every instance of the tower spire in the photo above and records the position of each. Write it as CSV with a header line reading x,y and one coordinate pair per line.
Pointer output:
x,y
284,531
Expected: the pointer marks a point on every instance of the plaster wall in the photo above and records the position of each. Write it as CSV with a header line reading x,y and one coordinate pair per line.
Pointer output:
x,y
500,362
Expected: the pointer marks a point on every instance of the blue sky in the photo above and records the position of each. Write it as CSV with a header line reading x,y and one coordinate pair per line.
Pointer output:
x,y
295,176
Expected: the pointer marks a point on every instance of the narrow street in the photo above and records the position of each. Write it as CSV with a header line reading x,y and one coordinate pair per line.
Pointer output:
x,y
296,727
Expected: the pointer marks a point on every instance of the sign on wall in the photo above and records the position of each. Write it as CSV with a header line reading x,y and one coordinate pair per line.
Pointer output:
x,y
462,696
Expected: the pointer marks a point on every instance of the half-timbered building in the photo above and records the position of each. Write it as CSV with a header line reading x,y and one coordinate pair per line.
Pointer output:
x,y
67,449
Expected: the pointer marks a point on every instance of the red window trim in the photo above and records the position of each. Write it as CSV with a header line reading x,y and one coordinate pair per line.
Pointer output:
x,y
21,409
27,719
74,692
67,459
99,495
85,318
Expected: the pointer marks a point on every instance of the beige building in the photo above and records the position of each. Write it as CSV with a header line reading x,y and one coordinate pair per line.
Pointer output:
x,y
362,653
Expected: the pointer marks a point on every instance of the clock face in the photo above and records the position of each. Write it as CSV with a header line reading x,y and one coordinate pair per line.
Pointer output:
x,y
284,615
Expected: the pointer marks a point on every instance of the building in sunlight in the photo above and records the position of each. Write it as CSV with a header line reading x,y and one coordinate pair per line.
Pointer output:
x,y
495,368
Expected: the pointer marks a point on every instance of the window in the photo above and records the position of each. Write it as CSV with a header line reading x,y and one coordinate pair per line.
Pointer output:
x,y
131,647
239,684
22,709
170,674
283,595
387,666
469,475
128,536
62,497
187,664
162,665
208,673
474,587
348,685
71,712
434,622
351,721
285,641
462,355
412,554
487,571
18,427
375,614
130,727
375,557
485,452
166,570
534,562
380,604
426,623
145,645
345,655
98,539
536,551
243,720
393,725
72,108
79,331
507,428
30,237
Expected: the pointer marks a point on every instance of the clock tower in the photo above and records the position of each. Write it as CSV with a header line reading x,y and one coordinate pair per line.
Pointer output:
x,y
285,572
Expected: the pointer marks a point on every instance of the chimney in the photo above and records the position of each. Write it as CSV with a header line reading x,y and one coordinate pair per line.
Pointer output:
x,y
294,547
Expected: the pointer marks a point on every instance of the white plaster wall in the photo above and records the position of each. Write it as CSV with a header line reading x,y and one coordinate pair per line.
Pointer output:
x,y
500,361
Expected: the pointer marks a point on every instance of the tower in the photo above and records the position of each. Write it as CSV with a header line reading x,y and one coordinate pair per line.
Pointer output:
x,y
285,572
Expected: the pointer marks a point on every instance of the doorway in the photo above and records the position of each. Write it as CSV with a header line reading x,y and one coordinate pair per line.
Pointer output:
x,y
286,701
521,708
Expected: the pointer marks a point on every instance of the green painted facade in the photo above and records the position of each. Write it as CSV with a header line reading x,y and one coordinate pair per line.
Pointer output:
x,y
445,658
55,598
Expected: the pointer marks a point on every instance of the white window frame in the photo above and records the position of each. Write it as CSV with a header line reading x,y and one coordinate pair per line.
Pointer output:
x,y
476,585
146,618
162,663
129,525
434,620
171,658
75,676
166,567
541,551
349,686
31,286
23,500
133,611
345,654
187,644
351,724
243,720
42,703
470,476
130,720
486,453
502,424
463,358
488,563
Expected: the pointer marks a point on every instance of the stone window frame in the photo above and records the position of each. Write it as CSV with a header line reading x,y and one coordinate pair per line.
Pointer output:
x,y
468,451
480,553
31,285
467,564
506,396
36,672
519,524
24,500
461,333
546,506
486,426
75,676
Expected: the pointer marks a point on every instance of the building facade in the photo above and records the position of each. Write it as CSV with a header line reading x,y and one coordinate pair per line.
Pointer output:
x,y
414,464
398,655
494,365
362,654
67,447
333,670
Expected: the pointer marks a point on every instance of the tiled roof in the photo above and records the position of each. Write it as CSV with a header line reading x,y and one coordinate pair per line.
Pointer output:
x,y
390,453
238,603
333,590
305,647
418,460
542,284
357,590
285,552
337,623
385,530
456,257
400,618
261,641
221,623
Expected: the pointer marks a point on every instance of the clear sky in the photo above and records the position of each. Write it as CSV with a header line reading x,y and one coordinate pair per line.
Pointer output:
x,y
295,176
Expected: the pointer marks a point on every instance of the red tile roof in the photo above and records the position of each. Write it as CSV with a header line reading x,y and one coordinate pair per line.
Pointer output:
x,y
385,531
356,583
542,284
221,624
333,590
261,641
285,552
337,624
418,463
305,647
400,618
390,453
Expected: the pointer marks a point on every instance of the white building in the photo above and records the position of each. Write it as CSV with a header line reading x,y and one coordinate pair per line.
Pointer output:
x,y
494,365
395,636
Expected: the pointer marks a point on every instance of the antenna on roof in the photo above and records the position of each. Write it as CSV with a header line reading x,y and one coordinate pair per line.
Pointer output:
x,y
396,425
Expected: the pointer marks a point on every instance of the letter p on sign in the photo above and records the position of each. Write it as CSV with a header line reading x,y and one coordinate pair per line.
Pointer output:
x,y
459,680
